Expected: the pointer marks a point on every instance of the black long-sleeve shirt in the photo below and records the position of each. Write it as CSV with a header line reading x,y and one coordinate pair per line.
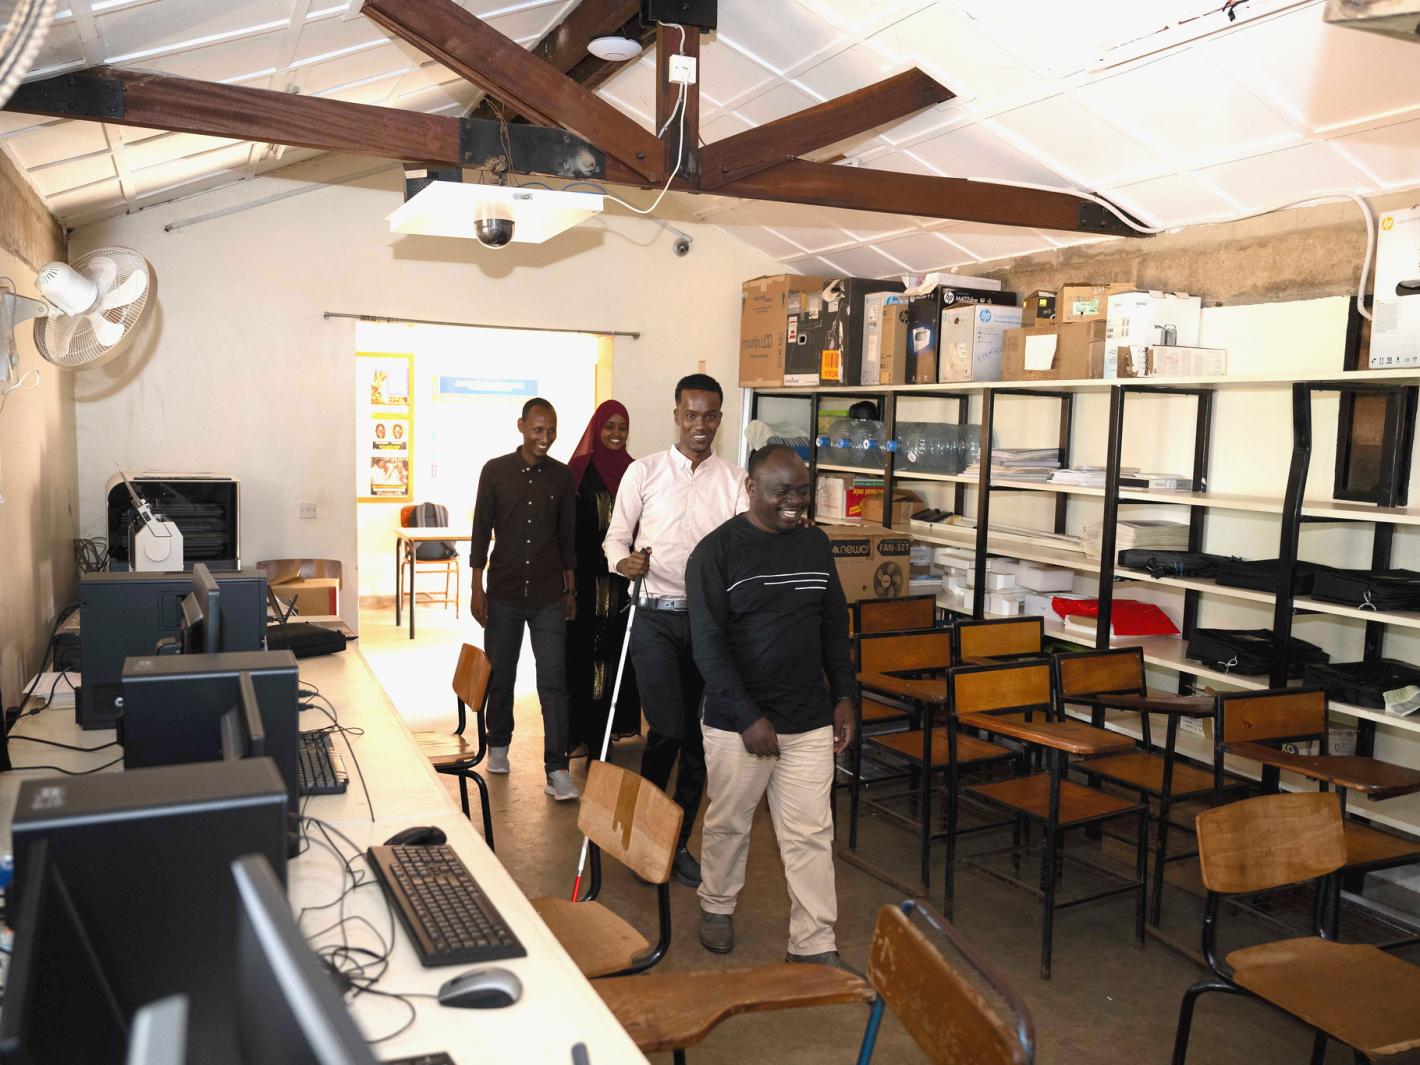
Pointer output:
x,y
532,511
768,621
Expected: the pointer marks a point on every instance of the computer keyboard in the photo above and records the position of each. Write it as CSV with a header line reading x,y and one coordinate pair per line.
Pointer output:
x,y
444,910
322,771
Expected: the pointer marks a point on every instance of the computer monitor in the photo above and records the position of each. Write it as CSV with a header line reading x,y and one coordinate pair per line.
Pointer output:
x,y
202,614
54,969
158,1035
288,1009
243,734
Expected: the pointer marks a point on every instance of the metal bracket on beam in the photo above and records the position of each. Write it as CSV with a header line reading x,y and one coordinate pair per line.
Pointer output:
x,y
533,150
701,14
79,95
1098,219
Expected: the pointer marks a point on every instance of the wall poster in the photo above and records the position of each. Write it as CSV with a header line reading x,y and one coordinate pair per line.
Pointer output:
x,y
384,424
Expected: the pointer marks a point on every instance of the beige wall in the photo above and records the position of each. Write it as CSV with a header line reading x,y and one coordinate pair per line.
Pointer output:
x,y
244,376
37,464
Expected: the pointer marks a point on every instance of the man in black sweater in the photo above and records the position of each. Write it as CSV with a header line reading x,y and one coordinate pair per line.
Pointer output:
x,y
769,622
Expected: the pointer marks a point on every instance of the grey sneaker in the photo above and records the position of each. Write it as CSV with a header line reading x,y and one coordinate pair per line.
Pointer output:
x,y
717,932
497,759
828,957
560,786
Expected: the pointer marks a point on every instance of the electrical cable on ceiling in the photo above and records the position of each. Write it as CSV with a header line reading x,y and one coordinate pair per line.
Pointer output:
x,y
1367,215
680,138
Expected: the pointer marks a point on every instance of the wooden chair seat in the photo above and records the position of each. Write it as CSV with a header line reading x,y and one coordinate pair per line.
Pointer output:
x,y
1073,737
444,749
1370,776
923,689
1031,796
672,1011
1370,846
969,748
1145,771
874,711
1355,993
599,941
1155,702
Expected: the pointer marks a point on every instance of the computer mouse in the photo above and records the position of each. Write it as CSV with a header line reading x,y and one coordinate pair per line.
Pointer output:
x,y
419,835
481,989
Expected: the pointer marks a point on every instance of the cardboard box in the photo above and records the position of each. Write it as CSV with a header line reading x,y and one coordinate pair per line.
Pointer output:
x,y
904,505
766,306
314,596
1083,303
1177,361
925,322
1137,320
971,341
829,348
1037,341
1038,307
885,331
1079,350
873,562
1395,329
838,497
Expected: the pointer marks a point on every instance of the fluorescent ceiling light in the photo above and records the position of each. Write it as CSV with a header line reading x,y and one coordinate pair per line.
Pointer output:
x,y
449,209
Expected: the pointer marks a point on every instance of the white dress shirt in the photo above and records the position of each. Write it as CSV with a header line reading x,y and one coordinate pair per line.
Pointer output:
x,y
668,505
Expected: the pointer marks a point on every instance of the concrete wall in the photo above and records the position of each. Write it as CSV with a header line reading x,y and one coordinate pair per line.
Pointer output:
x,y
243,374
38,472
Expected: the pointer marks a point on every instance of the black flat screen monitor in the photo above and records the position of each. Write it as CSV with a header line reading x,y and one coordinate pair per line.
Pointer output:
x,y
202,614
243,734
288,1009
59,1001
158,1035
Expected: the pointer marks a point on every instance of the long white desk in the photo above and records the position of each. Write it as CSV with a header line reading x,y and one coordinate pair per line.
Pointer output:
x,y
559,1007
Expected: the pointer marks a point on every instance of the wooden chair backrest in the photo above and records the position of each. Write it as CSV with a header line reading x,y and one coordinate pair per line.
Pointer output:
x,y
1275,714
895,615
901,651
278,570
471,677
630,819
405,513
1095,672
947,1017
1002,636
1270,841
987,689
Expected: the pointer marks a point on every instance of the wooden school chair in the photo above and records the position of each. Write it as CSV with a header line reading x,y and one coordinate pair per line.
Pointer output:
x,y
451,753
1015,700
638,824
895,615
1253,725
985,640
448,568
1097,681
1353,993
941,1003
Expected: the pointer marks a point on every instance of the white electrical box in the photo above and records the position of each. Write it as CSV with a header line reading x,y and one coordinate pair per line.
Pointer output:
x,y
682,70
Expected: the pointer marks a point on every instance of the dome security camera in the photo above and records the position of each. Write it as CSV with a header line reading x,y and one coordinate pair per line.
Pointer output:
x,y
493,226
681,247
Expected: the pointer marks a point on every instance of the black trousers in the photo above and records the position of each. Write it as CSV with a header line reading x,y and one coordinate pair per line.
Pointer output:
x,y
503,640
670,688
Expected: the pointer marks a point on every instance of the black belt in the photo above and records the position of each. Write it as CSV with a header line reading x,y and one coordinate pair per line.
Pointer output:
x,y
663,603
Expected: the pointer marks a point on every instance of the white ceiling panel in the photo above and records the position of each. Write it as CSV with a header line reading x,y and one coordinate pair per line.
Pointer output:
x,y
633,88
920,252
131,32
864,260
811,228
975,152
1186,110
167,148
180,171
75,173
851,69
870,227
1391,153
816,265
757,236
358,66
61,49
925,123
1280,177
782,35
858,15
899,162
327,38
725,124
96,197
779,101
727,75
994,242
42,145
1169,201
223,61
963,58
1324,75
529,23
1076,143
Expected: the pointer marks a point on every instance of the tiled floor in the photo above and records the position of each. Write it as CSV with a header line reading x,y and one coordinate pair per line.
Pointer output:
x,y
1106,1001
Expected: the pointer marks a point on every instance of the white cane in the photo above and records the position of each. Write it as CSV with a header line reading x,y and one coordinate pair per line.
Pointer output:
x,y
610,715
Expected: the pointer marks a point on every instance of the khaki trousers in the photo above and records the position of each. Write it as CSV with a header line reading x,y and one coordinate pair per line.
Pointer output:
x,y
797,783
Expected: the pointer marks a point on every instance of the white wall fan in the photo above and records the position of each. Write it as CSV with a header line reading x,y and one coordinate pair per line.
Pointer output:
x,y
90,311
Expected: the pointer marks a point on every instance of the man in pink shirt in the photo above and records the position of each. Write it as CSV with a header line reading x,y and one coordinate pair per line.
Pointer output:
x,y
666,504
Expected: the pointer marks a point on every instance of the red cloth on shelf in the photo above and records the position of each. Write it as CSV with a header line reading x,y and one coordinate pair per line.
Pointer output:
x,y
1128,617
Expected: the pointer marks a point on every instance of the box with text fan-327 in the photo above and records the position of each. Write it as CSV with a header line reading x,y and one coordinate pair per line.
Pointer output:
x,y
873,562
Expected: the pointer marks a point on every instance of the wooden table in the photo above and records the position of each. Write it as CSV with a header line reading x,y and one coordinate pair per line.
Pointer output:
x,y
405,543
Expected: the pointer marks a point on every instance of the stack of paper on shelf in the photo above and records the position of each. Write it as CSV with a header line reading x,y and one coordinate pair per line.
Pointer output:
x,y
1156,482
1169,535
1019,464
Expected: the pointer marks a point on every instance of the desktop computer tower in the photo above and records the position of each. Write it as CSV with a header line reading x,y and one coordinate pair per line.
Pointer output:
x,y
173,707
146,855
124,615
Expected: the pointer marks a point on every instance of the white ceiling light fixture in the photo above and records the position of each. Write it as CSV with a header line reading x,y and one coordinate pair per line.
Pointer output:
x,y
452,209
614,48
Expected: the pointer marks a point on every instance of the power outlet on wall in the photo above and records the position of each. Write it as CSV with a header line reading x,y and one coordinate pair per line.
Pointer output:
x,y
682,70
308,510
